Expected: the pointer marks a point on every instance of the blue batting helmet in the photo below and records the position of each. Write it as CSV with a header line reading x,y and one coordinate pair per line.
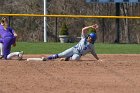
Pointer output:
x,y
93,36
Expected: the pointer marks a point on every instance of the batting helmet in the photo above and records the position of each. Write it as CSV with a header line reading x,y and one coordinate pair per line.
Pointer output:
x,y
93,36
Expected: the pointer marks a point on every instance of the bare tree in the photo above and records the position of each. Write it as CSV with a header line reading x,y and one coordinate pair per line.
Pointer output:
x,y
32,27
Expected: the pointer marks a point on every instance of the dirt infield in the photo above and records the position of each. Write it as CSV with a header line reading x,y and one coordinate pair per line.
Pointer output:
x,y
116,74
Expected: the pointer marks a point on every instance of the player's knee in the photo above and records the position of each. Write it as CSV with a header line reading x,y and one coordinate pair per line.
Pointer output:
x,y
75,57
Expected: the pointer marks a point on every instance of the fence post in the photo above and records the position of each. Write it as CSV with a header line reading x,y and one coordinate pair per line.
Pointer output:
x,y
117,23
56,29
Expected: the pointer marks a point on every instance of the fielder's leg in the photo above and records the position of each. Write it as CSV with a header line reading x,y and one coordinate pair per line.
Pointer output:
x,y
17,54
1,50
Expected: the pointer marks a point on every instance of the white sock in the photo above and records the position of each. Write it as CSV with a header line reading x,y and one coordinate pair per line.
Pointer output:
x,y
13,54
1,49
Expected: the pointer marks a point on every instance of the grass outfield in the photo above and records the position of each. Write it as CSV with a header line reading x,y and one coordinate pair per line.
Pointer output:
x,y
52,48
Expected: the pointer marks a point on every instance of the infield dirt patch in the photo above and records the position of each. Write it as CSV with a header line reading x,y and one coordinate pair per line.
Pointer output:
x,y
118,73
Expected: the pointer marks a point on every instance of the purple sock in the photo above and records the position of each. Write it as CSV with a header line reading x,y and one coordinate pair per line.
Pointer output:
x,y
53,57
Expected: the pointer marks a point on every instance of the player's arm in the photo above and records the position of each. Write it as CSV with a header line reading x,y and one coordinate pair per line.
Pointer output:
x,y
94,53
85,29
15,34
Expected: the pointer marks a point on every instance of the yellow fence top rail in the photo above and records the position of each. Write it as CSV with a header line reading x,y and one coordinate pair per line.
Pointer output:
x,y
69,16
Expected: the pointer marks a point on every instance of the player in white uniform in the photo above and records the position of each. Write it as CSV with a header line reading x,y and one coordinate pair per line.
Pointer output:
x,y
84,46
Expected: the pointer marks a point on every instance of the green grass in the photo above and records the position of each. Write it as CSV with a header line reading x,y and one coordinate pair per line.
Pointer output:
x,y
52,48
117,48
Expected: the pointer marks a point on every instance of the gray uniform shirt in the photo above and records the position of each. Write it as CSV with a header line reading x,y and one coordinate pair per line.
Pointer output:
x,y
84,47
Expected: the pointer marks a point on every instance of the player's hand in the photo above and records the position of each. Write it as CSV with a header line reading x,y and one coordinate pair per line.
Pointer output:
x,y
95,26
100,60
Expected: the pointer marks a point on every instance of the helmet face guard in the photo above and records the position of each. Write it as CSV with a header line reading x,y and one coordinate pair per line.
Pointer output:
x,y
93,37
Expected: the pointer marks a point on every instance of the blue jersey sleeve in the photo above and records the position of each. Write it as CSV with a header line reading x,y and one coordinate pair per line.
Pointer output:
x,y
11,30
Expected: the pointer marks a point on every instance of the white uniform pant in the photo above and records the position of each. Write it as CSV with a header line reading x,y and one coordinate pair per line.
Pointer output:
x,y
1,49
72,53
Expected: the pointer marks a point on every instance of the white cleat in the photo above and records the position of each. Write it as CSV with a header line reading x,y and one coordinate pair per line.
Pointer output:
x,y
20,55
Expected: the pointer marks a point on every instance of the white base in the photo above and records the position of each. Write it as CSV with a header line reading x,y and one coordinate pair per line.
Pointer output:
x,y
34,59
